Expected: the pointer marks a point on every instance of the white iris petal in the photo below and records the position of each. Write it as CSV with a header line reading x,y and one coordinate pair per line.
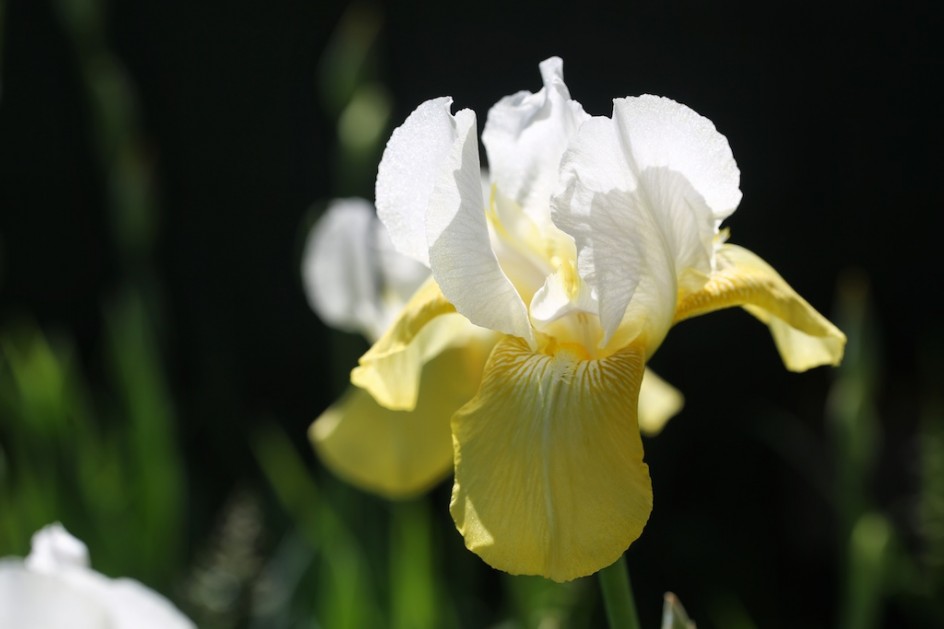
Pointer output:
x,y
410,168
644,228
55,587
525,136
460,250
353,278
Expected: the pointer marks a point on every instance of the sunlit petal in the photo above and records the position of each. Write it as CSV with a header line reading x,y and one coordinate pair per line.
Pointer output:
x,y
519,244
411,166
658,132
659,402
624,259
803,336
632,225
390,370
400,275
555,300
460,250
550,477
526,135
401,453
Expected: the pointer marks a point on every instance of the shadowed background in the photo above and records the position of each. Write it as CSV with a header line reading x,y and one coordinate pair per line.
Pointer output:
x,y
160,163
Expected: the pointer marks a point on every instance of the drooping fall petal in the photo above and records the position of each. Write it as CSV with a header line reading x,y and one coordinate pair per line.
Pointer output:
x,y
550,477
803,336
401,453
390,370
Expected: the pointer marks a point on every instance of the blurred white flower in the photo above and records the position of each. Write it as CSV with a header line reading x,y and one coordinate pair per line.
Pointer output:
x,y
55,588
353,277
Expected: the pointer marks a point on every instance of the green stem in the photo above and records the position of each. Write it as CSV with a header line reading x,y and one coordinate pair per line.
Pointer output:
x,y
618,596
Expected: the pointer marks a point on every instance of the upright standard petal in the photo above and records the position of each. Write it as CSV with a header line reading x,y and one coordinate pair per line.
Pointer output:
x,y
624,258
399,454
640,211
803,336
525,137
412,165
460,250
550,478
661,133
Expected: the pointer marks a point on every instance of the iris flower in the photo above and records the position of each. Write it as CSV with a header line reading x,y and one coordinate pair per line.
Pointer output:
x,y
590,239
357,282
55,587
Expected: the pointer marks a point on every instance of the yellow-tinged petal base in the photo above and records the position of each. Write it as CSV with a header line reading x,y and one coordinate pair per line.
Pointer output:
x,y
390,370
550,478
399,454
804,338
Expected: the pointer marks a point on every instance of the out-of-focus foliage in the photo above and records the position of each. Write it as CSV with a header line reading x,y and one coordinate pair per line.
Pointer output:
x,y
930,511
863,534
877,566
99,462
102,461
352,93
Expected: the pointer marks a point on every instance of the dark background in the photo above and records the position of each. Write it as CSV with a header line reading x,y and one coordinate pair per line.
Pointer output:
x,y
833,112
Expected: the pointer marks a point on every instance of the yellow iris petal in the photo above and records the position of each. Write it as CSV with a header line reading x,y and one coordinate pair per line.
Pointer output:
x,y
550,478
804,338
659,401
390,370
400,453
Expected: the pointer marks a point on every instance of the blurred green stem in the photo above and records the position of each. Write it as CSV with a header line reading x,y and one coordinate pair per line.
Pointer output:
x,y
618,596
865,574
413,583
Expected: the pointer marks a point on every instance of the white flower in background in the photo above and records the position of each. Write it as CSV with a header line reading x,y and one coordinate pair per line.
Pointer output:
x,y
54,588
353,277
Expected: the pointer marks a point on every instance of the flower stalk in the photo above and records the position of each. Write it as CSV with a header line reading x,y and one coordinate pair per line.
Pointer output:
x,y
618,596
